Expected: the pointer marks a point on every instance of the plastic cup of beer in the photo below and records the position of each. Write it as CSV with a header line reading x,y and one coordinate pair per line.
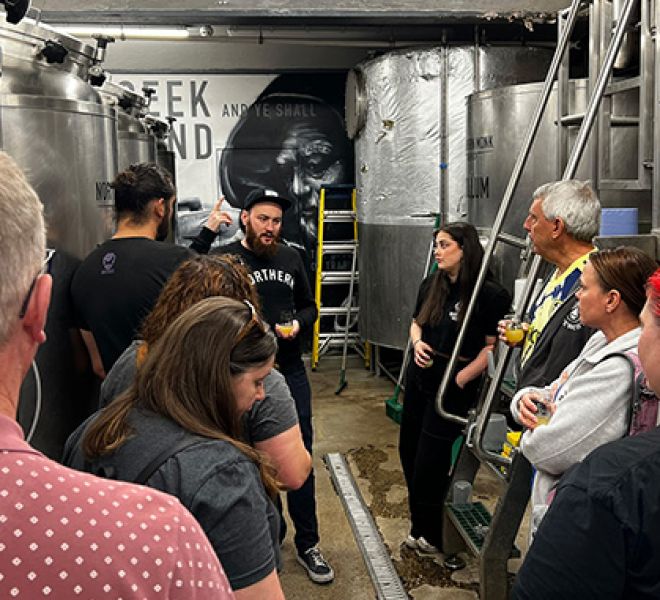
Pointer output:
x,y
543,414
285,322
514,331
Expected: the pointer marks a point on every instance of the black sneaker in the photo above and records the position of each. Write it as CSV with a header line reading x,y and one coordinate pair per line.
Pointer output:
x,y
317,567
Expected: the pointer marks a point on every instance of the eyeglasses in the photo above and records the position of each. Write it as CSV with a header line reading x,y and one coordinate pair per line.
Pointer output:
x,y
45,268
254,320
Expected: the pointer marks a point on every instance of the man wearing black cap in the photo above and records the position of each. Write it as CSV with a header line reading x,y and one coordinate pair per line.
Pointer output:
x,y
288,306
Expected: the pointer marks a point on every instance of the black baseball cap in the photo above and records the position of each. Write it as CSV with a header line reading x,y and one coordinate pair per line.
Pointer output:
x,y
266,195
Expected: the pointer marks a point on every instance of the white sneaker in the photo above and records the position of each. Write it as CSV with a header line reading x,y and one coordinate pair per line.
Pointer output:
x,y
425,547
411,542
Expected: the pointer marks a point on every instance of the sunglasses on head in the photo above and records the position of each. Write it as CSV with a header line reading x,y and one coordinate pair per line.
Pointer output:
x,y
254,321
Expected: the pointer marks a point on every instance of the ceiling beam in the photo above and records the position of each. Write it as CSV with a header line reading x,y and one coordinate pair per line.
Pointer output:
x,y
290,12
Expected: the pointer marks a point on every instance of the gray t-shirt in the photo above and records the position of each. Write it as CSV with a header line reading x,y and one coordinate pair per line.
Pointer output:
x,y
273,415
216,482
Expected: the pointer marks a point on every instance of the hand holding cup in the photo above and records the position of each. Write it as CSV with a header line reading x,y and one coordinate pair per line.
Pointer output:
x,y
536,408
512,330
287,327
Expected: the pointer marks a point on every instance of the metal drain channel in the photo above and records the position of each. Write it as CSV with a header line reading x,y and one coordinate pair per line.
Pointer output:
x,y
383,575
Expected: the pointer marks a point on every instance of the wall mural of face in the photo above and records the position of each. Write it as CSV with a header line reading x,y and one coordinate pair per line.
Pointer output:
x,y
293,143
309,159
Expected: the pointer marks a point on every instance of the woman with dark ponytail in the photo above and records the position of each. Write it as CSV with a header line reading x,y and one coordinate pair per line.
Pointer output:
x,y
426,439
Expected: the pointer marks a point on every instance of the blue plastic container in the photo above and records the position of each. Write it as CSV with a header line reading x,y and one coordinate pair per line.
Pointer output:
x,y
619,221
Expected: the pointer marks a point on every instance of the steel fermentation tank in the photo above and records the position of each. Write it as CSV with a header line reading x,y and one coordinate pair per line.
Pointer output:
x,y
55,126
407,113
137,143
497,120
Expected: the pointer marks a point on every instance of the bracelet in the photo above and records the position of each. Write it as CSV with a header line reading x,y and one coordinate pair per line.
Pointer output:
x,y
415,341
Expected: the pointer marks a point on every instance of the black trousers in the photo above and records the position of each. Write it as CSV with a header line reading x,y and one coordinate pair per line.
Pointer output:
x,y
425,444
302,502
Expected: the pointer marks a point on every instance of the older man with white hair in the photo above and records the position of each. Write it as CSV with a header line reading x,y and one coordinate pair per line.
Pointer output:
x,y
562,221
67,534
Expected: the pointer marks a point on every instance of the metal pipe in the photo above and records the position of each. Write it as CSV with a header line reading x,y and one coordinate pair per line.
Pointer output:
x,y
646,66
562,100
443,203
349,304
512,240
615,121
504,206
498,376
595,56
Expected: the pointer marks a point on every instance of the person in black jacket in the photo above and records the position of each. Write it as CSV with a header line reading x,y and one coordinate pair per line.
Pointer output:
x,y
562,221
288,306
599,538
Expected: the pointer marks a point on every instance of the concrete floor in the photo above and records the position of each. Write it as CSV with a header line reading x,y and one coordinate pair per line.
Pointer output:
x,y
352,421
341,423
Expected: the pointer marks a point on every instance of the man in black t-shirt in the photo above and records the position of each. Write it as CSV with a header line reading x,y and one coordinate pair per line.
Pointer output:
x,y
118,283
289,308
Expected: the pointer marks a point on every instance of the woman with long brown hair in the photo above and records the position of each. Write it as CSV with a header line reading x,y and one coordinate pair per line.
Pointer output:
x,y
178,429
271,426
426,439
589,403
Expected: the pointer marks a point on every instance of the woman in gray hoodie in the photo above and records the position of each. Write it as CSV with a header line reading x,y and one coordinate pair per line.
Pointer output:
x,y
589,402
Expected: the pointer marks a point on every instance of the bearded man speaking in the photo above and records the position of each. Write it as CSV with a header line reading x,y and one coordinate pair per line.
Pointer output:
x,y
279,274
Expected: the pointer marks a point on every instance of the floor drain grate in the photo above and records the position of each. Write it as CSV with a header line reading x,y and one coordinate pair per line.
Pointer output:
x,y
383,574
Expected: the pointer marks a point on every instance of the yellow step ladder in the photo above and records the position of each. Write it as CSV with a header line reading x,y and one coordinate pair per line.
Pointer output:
x,y
343,201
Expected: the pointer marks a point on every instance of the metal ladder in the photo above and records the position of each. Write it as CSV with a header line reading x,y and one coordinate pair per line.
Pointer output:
x,y
491,538
601,20
347,214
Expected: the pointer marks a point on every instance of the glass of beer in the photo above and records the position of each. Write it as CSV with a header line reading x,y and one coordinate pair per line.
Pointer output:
x,y
514,331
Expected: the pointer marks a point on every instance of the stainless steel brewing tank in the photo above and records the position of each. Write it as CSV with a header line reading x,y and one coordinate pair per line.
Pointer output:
x,y
55,126
497,121
408,115
137,143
